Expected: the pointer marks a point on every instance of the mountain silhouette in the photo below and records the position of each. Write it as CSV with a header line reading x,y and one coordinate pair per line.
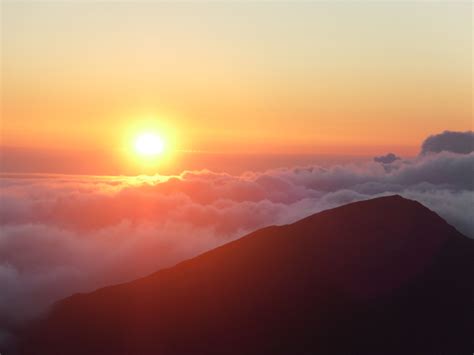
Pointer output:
x,y
382,276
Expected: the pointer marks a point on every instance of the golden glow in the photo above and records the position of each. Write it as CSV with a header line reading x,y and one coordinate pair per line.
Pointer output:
x,y
149,141
149,144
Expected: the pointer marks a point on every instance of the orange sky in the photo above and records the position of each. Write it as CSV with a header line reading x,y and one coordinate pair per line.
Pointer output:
x,y
324,78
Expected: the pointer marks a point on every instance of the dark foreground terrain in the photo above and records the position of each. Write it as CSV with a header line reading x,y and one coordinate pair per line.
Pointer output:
x,y
384,276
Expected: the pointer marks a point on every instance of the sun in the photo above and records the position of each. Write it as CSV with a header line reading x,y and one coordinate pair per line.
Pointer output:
x,y
149,144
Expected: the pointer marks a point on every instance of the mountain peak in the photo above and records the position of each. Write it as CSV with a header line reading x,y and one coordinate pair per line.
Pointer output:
x,y
353,279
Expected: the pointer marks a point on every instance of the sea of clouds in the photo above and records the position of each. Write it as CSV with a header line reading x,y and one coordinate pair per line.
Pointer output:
x,y
65,234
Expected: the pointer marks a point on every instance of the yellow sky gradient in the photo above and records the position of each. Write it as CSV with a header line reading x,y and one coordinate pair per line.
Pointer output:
x,y
267,77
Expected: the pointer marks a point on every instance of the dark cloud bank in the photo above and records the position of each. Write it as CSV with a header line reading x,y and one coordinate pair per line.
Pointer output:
x,y
66,234
456,142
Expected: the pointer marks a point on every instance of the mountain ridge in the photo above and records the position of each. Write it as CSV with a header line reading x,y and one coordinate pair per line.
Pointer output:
x,y
249,295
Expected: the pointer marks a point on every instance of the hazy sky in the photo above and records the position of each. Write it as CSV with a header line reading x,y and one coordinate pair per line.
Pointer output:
x,y
294,77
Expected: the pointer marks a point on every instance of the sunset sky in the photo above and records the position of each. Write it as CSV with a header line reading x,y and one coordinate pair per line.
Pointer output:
x,y
346,78
138,134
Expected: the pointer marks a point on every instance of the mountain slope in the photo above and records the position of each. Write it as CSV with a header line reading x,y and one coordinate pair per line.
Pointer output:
x,y
380,276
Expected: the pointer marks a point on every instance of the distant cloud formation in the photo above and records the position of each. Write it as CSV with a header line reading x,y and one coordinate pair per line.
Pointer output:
x,y
448,141
387,158
66,234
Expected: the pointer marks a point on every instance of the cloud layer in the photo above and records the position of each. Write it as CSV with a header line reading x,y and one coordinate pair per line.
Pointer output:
x,y
66,234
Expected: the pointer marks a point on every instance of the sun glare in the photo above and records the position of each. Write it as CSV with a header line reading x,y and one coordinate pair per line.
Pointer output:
x,y
149,144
